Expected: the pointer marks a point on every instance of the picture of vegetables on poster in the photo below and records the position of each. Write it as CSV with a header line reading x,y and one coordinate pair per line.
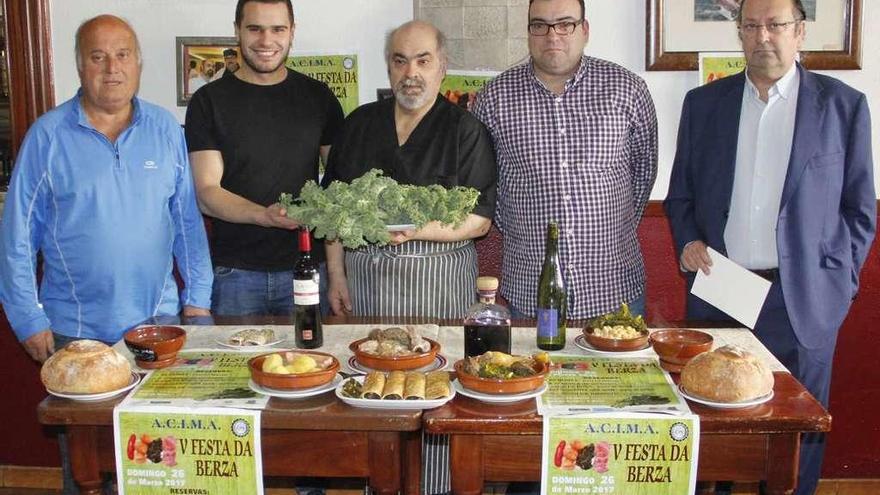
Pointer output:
x,y
627,453
162,450
461,87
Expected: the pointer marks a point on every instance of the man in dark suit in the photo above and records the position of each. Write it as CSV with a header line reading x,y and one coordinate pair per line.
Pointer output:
x,y
774,170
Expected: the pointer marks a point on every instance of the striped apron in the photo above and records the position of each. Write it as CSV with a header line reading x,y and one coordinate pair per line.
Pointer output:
x,y
416,278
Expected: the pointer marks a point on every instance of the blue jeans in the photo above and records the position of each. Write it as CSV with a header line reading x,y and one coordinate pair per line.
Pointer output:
x,y
636,307
239,292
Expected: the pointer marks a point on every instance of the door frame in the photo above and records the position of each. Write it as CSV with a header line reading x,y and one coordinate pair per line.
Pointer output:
x,y
29,49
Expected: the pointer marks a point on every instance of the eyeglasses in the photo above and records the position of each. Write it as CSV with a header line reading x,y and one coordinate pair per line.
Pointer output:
x,y
563,28
772,27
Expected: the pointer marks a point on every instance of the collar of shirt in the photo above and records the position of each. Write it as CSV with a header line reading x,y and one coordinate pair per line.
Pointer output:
x,y
782,87
570,83
83,119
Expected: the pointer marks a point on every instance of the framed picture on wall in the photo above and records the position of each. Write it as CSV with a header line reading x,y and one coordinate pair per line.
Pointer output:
x,y
202,60
677,30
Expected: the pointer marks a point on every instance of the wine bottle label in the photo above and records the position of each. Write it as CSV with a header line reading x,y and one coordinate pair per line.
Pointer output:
x,y
548,319
307,335
305,292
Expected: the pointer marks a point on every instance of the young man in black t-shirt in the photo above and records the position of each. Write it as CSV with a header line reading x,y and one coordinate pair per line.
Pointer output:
x,y
251,137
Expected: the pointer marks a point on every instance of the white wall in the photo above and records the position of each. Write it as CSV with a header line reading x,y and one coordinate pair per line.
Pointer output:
x,y
617,33
356,26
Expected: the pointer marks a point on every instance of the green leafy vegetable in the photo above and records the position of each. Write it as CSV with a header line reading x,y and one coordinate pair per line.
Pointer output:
x,y
620,317
357,213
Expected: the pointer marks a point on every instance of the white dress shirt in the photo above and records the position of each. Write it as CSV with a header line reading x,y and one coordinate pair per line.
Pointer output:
x,y
763,150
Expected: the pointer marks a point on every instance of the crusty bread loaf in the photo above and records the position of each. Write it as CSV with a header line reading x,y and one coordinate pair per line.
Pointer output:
x,y
727,374
85,367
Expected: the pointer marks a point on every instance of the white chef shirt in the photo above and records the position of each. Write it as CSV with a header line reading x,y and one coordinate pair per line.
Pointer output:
x,y
763,151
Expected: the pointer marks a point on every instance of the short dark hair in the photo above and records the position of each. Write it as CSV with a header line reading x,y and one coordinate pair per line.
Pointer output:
x,y
239,8
581,2
230,52
797,4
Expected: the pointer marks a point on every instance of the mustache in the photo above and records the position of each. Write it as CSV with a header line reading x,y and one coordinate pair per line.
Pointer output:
x,y
411,82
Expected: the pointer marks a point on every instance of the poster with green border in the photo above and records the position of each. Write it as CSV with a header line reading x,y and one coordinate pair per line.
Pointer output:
x,y
606,384
715,66
461,87
624,453
201,379
339,72
172,450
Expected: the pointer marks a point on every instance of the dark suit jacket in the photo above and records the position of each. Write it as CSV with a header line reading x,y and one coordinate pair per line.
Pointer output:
x,y
827,215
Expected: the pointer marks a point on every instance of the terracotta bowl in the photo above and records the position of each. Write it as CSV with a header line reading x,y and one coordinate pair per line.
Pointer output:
x,y
497,386
616,345
155,346
292,381
678,345
382,363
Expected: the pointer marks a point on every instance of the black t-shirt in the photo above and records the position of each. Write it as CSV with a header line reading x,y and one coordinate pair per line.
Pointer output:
x,y
449,147
270,139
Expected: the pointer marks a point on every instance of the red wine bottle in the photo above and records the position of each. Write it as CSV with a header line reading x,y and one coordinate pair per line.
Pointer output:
x,y
306,309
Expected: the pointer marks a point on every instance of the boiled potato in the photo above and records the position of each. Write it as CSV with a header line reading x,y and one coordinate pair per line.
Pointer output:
x,y
271,362
302,364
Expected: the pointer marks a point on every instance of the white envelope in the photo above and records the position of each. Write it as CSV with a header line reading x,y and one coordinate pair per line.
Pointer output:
x,y
732,289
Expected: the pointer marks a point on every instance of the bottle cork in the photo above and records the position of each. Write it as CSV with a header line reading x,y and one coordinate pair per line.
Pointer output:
x,y
487,283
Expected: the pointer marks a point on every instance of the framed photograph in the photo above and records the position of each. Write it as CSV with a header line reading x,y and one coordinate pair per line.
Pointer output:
x,y
677,30
202,60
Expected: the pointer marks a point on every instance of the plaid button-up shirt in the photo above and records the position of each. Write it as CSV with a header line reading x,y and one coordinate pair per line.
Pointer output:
x,y
586,158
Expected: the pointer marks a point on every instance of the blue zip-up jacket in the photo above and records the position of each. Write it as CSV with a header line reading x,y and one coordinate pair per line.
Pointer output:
x,y
106,218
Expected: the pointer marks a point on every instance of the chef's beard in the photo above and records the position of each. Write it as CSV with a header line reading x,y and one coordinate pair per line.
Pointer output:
x,y
411,102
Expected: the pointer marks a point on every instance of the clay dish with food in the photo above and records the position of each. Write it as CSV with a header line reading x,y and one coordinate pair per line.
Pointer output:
x,y
640,341
155,346
394,363
322,369
498,386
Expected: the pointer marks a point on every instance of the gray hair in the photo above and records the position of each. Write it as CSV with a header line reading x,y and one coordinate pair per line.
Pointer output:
x,y
440,37
81,28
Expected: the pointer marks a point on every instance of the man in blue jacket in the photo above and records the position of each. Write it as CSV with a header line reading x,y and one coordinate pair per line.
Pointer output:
x,y
102,190
774,170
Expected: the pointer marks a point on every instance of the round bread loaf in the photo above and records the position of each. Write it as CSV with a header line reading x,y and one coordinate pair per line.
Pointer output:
x,y
727,374
85,367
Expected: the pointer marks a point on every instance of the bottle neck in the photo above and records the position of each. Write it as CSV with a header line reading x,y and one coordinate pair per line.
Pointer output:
x,y
305,243
487,297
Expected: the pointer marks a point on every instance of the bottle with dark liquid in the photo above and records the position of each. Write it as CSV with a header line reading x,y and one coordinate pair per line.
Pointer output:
x,y
306,309
551,311
487,325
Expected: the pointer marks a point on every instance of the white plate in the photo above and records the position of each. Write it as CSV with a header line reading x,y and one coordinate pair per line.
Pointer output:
x,y
725,405
253,348
135,379
439,363
400,227
498,398
392,404
296,394
581,342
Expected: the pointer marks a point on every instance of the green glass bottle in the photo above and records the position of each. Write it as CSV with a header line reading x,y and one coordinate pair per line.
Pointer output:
x,y
551,310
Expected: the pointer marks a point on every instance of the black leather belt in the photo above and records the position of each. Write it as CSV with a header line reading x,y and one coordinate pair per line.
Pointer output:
x,y
771,274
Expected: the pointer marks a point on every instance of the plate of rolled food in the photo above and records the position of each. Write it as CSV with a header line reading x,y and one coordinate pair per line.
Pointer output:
x,y
252,339
397,390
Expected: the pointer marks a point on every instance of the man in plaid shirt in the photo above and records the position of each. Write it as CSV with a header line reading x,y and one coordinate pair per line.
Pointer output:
x,y
576,142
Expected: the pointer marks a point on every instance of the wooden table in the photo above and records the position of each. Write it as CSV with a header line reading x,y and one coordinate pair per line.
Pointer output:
x,y
503,442
319,436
